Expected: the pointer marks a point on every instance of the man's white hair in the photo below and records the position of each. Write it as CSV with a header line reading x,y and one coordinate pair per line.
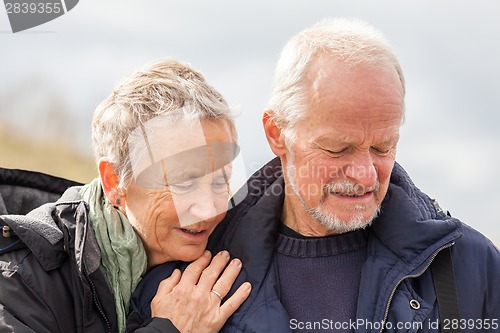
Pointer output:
x,y
351,41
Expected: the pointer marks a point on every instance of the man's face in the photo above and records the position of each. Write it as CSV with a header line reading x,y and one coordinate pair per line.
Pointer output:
x,y
339,166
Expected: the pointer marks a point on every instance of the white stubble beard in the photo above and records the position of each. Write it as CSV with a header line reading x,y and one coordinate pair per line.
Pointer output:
x,y
331,220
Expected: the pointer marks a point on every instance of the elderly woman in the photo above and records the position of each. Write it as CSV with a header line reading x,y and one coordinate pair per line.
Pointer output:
x,y
164,143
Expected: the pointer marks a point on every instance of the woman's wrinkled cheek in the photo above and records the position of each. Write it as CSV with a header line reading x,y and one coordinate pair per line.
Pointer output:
x,y
155,205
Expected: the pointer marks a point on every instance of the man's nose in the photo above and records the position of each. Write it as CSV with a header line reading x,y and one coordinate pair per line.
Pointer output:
x,y
362,169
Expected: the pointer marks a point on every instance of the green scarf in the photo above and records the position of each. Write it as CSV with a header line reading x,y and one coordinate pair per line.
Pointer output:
x,y
122,251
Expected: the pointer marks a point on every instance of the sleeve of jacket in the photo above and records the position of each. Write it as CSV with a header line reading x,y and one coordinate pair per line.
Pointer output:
x,y
477,270
8,323
21,308
153,325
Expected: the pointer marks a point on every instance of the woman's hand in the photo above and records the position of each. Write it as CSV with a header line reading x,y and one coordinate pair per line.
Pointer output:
x,y
193,300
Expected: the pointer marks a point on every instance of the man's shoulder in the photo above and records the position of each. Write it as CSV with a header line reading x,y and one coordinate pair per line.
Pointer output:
x,y
474,242
476,262
258,183
256,188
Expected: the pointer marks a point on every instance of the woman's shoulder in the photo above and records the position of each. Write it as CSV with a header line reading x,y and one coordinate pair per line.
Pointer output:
x,y
21,191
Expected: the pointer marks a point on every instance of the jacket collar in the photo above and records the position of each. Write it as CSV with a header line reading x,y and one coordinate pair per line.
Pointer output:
x,y
40,233
407,211
404,240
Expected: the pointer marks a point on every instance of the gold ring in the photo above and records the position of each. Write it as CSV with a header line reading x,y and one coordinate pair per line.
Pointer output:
x,y
216,293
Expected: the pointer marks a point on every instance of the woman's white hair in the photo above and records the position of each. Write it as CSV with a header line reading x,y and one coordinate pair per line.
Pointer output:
x,y
351,41
165,88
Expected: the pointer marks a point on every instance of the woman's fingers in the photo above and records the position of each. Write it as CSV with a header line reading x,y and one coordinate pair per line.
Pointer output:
x,y
226,280
165,287
234,302
169,283
193,272
188,299
213,271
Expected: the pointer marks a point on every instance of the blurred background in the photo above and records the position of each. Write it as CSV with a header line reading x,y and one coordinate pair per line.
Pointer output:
x,y
53,76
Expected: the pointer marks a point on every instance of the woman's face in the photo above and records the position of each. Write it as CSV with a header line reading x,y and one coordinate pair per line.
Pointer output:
x,y
177,202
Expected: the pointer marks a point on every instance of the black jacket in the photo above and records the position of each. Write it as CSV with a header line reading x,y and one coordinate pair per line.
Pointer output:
x,y
51,277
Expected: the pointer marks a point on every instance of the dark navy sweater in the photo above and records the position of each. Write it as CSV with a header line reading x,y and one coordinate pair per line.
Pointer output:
x,y
319,279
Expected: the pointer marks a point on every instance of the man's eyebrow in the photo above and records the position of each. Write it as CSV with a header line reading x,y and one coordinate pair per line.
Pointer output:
x,y
342,140
331,140
390,141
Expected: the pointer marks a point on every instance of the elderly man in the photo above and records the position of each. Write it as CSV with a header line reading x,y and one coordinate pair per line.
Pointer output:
x,y
333,235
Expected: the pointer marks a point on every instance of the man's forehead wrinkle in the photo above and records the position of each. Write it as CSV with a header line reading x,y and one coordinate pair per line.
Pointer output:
x,y
314,84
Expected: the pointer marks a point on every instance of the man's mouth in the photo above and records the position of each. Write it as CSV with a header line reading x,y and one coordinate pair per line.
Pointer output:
x,y
351,195
350,190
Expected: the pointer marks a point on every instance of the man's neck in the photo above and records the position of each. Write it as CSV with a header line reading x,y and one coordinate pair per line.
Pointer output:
x,y
296,217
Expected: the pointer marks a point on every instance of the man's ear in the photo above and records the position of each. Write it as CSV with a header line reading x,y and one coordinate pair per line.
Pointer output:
x,y
109,181
273,134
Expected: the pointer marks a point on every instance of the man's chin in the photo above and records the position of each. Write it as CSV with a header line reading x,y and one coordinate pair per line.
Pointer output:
x,y
346,221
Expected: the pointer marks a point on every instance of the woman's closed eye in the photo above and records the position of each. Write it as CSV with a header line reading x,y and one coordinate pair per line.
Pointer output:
x,y
220,186
182,187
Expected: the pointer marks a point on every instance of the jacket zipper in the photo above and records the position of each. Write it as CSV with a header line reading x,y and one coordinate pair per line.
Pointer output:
x,y
98,304
84,272
386,314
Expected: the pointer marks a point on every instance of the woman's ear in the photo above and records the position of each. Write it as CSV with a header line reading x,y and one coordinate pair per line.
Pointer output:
x,y
109,181
273,134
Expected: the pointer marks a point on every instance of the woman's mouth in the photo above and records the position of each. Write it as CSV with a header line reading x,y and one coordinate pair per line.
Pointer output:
x,y
192,232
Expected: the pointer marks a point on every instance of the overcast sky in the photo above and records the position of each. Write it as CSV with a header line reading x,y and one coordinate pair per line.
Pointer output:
x,y
449,50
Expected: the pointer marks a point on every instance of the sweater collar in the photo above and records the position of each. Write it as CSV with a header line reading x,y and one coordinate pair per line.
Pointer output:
x,y
291,243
